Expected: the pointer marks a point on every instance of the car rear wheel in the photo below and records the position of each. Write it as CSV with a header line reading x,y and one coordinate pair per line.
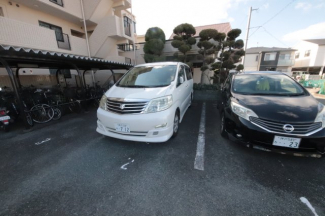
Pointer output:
x,y
176,124
223,131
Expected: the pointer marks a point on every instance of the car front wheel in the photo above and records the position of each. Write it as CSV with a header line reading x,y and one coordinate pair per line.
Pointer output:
x,y
223,131
176,124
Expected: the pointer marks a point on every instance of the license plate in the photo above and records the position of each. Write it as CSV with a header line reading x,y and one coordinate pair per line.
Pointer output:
x,y
3,118
122,128
288,142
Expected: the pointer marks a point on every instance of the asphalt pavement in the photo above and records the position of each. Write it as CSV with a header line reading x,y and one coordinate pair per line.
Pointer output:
x,y
67,168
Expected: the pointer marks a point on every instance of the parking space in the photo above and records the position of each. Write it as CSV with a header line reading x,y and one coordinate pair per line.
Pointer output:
x,y
67,168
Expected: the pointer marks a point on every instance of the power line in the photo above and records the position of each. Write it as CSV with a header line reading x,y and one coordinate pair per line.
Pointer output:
x,y
275,37
273,17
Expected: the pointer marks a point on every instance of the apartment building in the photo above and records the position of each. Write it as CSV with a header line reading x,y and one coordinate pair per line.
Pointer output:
x,y
269,59
97,28
310,56
169,50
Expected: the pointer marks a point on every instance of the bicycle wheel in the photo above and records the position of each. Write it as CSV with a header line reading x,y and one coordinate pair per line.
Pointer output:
x,y
57,113
42,113
29,119
75,107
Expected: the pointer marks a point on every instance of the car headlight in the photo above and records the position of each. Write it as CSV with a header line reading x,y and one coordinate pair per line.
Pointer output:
x,y
102,103
242,111
159,104
321,114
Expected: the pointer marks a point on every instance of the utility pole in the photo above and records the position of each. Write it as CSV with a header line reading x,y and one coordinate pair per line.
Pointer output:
x,y
247,31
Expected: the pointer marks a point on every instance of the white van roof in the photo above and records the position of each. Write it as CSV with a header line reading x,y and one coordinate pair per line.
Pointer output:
x,y
160,63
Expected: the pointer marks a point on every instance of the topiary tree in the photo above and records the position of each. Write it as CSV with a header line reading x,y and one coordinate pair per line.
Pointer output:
x,y
231,51
207,49
154,45
183,40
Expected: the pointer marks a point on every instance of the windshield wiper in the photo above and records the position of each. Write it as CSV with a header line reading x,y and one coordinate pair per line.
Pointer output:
x,y
132,86
272,94
141,86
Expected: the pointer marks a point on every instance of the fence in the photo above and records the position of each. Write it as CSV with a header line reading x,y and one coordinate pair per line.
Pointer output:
x,y
314,84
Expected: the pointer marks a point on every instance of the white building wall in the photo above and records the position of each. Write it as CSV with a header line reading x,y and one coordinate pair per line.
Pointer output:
x,y
303,61
250,62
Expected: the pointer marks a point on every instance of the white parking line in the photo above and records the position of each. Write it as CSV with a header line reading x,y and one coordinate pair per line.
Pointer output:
x,y
39,143
199,158
304,200
124,166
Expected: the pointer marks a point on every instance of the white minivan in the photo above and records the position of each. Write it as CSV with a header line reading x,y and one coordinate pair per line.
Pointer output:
x,y
147,103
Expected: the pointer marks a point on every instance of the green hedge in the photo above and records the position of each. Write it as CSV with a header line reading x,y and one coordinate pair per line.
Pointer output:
x,y
203,87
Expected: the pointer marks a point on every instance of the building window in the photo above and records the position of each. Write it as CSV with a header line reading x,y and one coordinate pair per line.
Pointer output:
x,y
62,39
58,2
127,26
285,56
1,12
297,55
57,30
269,56
307,53
135,27
256,58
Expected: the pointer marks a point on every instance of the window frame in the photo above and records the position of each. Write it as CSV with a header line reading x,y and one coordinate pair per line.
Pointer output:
x,y
270,54
51,25
181,70
2,13
307,53
188,71
127,25
256,59
297,55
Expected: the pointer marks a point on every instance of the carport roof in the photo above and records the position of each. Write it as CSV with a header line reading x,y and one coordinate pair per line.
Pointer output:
x,y
26,57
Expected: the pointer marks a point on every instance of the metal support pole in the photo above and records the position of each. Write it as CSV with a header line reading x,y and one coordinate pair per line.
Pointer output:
x,y
17,78
113,75
82,85
83,76
15,88
93,76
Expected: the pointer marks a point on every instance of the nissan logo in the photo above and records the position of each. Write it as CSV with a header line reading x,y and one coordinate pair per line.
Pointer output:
x,y
288,128
122,106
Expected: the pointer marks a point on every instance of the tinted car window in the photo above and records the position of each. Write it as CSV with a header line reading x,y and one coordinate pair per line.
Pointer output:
x,y
188,73
266,85
180,74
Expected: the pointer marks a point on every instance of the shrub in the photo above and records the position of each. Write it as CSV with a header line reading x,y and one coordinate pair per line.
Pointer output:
x,y
204,87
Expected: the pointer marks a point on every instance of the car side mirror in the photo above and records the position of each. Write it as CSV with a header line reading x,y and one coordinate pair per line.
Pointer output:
x,y
181,80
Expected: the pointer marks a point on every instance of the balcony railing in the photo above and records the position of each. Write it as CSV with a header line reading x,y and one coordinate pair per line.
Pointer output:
x,y
286,62
58,2
128,60
126,47
63,40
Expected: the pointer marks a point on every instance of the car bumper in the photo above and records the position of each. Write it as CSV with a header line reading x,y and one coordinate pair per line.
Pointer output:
x,y
142,126
255,137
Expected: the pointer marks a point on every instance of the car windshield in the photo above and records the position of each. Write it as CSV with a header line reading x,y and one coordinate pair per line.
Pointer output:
x,y
149,76
257,84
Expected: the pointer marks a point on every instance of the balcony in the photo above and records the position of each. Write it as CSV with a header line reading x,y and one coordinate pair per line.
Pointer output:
x,y
128,60
58,2
286,62
26,35
126,47
121,4
63,41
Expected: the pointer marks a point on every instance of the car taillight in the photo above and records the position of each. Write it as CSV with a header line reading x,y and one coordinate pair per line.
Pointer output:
x,y
2,112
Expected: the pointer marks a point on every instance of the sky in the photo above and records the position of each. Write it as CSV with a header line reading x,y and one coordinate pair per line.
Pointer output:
x,y
276,23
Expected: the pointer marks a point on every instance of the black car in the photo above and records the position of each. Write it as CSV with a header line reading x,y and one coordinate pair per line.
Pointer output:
x,y
270,111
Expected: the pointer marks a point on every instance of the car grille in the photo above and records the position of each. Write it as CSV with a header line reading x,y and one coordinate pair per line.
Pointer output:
x,y
126,107
277,127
